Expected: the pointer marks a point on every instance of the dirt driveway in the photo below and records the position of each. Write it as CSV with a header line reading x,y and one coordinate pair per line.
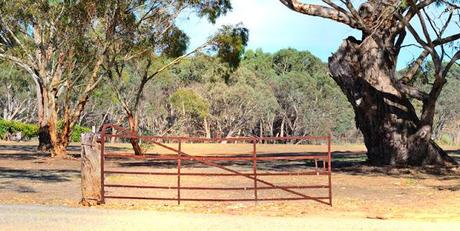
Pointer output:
x,y
64,218
27,177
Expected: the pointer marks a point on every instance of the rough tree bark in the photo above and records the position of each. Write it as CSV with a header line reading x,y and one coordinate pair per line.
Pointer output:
x,y
44,139
91,191
365,70
133,125
393,134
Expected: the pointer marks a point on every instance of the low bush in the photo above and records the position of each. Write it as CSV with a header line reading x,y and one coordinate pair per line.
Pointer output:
x,y
77,131
31,130
12,126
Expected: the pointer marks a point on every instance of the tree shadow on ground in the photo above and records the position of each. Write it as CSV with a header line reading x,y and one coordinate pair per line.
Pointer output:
x,y
13,186
276,165
42,175
9,177
28,152
415,173
347,162
24,156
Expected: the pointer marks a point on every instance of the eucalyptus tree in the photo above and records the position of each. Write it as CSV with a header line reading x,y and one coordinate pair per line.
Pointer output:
x,y
16,95
160,44
64,46
365,70
61,45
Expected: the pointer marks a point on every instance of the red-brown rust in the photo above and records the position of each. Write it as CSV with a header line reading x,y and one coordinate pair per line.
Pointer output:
x,y
304,173
214,158
208,160
212,188
217,200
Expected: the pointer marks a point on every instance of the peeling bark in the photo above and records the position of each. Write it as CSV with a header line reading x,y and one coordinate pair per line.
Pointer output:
x,y
132,122
393,134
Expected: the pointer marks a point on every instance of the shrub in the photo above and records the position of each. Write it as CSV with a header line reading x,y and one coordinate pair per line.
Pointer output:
x,y
31,130
446,139
27,130
77,131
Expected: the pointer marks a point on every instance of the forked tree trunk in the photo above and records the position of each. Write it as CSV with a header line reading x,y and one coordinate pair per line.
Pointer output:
x,y
393,134
44,139
132,122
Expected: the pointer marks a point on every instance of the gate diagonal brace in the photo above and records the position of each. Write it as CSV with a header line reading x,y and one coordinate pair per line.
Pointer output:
x,y
209,163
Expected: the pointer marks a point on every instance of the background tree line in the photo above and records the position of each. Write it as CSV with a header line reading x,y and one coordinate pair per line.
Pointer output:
x,y
286,93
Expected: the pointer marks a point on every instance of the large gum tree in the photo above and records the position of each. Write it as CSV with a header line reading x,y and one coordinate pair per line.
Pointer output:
x,y
394,132
158,43
61,45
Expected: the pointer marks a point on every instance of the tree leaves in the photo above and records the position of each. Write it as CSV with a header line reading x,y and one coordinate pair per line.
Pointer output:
x,y
229,43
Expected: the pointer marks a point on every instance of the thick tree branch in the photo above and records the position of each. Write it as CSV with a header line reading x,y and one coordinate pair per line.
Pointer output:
x,y
414,67
448,39
412,91
452,61
321,11
413,11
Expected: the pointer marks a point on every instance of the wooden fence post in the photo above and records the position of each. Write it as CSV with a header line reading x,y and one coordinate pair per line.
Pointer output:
x,y
90,170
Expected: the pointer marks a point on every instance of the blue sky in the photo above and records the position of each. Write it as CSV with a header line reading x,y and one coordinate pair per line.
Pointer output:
x,y
272,26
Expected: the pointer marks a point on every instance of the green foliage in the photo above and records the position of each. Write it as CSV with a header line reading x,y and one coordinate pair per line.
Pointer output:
x,y
229,42
211,9
186,101
77,130
445,139
289,60
176,42
9,126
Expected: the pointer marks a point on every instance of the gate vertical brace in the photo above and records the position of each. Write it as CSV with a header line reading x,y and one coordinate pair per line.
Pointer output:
x,y
329,167
179,160
104,128
254,167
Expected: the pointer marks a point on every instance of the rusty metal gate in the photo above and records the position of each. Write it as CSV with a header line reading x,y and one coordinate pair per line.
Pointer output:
x,y
180,157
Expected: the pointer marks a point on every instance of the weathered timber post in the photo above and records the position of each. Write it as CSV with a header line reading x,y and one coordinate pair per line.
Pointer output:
x,y
90,170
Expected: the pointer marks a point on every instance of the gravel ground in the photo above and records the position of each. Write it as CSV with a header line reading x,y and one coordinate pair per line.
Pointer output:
x,y
34,217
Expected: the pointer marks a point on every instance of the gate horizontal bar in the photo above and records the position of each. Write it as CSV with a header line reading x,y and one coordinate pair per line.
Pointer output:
x,y
211,188
202,139
220,174
215,158
217,200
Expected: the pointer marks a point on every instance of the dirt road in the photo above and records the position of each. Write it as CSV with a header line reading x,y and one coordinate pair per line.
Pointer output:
x,y
359,192
33,217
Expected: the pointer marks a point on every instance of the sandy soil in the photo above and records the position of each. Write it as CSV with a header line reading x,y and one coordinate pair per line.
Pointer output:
x,y
359,191
82,219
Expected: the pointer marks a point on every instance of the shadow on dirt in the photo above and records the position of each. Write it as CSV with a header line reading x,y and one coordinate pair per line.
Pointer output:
x,y
9,177
351,163
43,175
12,186
275,165
29,152
414,173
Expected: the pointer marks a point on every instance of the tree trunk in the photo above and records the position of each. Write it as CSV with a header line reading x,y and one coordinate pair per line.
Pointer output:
x,y
44,139
393,134
59,147
206,128
91,188
132,122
